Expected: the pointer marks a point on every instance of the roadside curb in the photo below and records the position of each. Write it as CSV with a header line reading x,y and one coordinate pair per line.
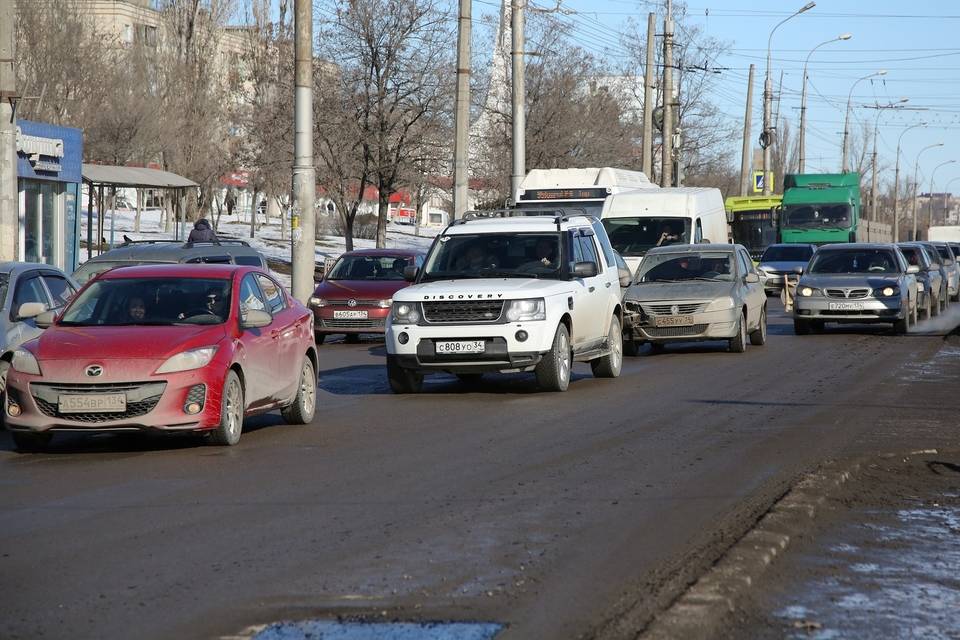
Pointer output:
x,y
698,612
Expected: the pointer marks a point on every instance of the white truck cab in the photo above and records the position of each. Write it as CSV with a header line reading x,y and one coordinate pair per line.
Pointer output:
x,y
507,294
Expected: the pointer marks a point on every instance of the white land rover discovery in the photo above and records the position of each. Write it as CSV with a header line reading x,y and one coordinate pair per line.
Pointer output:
x,y
523,293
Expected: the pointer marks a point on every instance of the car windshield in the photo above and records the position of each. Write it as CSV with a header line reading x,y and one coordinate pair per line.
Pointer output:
x,y
635,236
369,268
830,216
678,267
781,253
495,255
854,261
150,301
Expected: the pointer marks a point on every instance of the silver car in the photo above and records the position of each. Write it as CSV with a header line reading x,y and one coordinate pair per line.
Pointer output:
x,y
952,268
780,260
857,282
696,292
27,289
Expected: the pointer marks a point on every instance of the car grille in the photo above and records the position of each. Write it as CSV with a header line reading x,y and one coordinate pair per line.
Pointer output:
x,y
847,294
352,323
358,303
462,311
667,309
675,332
142,397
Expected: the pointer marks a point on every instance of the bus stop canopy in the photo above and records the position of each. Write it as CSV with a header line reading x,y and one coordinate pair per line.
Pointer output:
x,y
137,177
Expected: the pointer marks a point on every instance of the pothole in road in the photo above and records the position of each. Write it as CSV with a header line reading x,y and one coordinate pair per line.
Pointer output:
x,y
335,630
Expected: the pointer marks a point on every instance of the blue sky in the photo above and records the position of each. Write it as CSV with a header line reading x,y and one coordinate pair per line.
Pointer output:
x,y
916,43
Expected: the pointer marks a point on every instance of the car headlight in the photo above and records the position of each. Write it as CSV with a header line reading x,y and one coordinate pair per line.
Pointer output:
x,y
406,312
526,310
886,292
187,360
385,304
806,292
25,362
721,304
318,302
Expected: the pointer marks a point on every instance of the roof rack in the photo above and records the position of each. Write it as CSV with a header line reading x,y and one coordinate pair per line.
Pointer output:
x,y
214,243
560,215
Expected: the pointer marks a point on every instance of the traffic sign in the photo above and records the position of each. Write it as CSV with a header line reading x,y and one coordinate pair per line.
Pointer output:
x,y
758,181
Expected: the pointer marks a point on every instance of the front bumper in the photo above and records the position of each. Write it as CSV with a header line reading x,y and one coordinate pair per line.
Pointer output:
x,y
710,325
873,310
325,322
158,403
503,350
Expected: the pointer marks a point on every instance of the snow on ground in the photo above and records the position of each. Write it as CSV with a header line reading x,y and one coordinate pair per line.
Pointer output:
x,y
267,241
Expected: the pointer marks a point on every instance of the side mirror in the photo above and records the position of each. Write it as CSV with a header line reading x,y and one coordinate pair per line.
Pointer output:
x,y
751,278
798,271
626,278
913,269
45,319
410,273
585,270
30,310
255,319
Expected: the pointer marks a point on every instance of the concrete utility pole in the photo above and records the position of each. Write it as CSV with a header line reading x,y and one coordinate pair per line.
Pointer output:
x,y
930,198
873,169
303,223
916,176
9,198
666,170
461,140
802,146
896,185
519,99
746,157
844,167
648,88
768,133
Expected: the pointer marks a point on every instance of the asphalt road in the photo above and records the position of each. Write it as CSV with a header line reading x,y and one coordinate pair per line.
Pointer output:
x,y
553,513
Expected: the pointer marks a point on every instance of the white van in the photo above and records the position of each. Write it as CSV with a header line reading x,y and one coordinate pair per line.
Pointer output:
x,y
944,234
639,220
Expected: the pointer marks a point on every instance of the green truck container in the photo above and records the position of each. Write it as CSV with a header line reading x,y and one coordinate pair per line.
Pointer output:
x,y
820,208
752,221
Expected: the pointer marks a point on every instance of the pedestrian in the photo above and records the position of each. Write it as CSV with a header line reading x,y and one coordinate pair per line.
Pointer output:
x,y
202,232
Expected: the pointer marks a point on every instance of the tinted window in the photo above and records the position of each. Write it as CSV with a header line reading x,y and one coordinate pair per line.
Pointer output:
x,y
855,261
589,251
150,301
59,288
944,252
210,260
495,255
359,267
272,293
608,253
914,256
798,253
250,295
674,267
932,255
29,290
745,263
248,261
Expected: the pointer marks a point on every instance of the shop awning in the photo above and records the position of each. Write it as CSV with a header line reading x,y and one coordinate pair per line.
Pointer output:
x,y
141,177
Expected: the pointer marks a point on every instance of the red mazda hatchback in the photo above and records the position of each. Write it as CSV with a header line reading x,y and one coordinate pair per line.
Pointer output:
x,y
356,295
171,348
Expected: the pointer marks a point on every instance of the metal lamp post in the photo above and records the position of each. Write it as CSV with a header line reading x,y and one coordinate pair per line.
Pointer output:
x,y
896,184
916,173
930,208
766,137
803,101
873,169
846,121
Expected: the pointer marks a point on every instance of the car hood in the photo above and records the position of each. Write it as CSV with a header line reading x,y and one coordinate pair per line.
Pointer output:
x,y
819,281
782,265
122,343
693,290
482,288
363,289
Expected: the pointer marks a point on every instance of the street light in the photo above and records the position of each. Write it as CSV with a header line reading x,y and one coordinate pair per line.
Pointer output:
x,y
896,184
916,173
766,137
933,173
846,120
873,168
803,100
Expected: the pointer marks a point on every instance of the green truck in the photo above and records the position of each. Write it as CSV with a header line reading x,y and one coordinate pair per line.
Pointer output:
x,y
820,208
752,221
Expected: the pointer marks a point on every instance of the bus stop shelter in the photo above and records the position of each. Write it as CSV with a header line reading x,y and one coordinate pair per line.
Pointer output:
x,y
98,176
